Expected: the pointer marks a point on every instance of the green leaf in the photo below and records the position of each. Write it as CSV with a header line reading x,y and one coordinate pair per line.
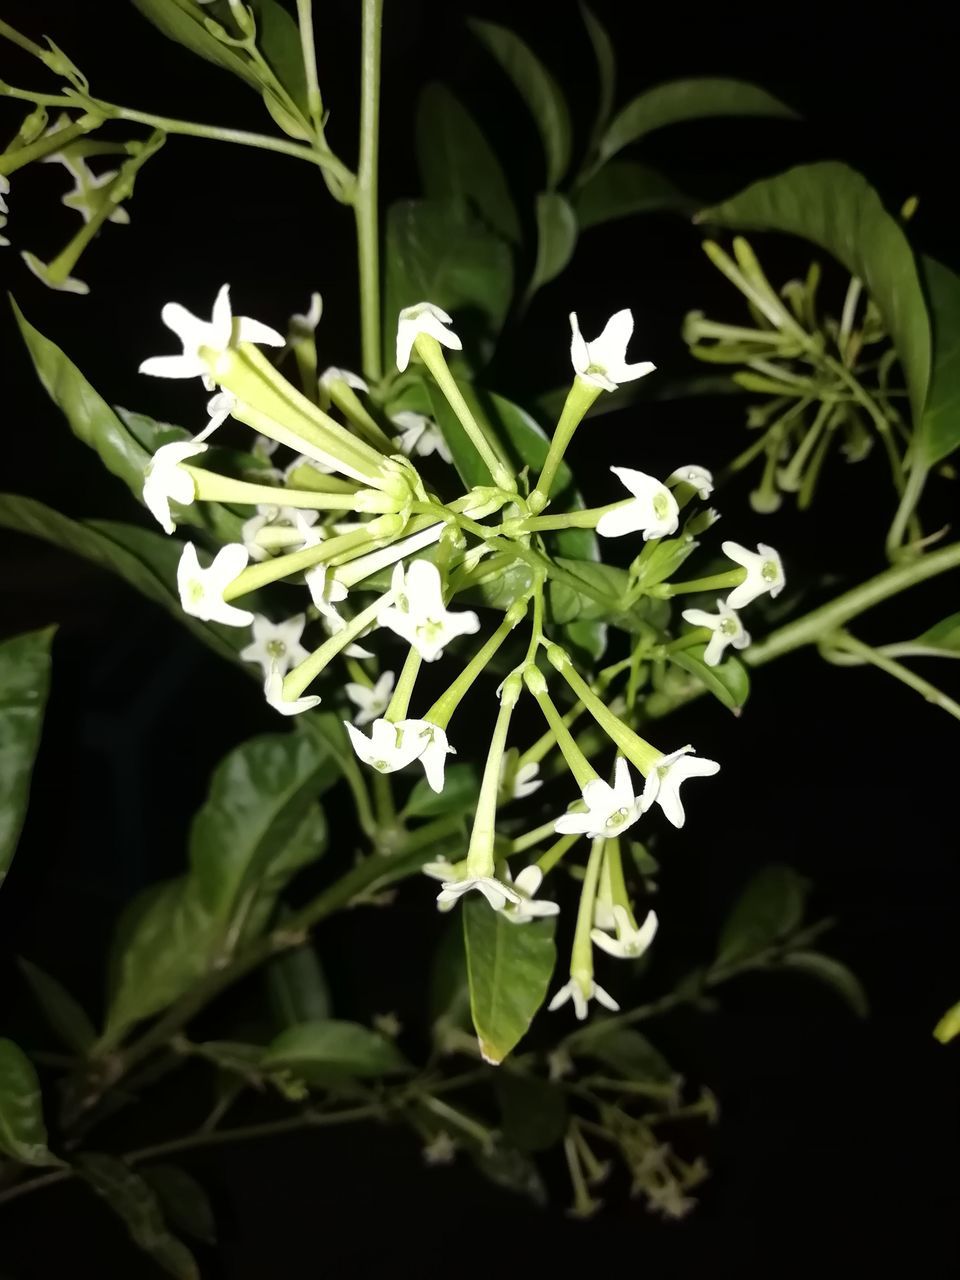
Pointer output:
x,y
449,984
323,1052
455,160
297,987
533,1111
438,250
137,1205
837,209
948,1028
538,89
943,636
939,432
683,100
623,188
509,967
23,1135
833,974
629,1054
183,1200
769,909
278,39
461,789
606,70
729,681
508,1168
64,1013
24,685
556,239
182,22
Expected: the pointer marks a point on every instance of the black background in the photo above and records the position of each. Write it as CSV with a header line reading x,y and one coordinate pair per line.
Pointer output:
x,y
834,1134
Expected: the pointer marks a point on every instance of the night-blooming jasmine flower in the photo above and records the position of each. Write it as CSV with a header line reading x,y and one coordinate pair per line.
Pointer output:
x,y
273,691
521,782
326,591
276,645
331,375
418,614
434,751
423,317
223,330
333,624
582,991
529,908
726,627
610,810
653,508
495,891
764,573
201,590
371,703
390,746
42,270
164,480
630,942
302,326
88,192
603,362
420,435
664,780
269,516
698,478
219,409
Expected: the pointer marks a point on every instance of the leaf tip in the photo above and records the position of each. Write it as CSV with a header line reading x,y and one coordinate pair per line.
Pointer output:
x,y
489,1053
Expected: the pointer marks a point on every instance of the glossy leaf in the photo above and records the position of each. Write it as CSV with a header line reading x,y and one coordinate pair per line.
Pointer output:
x,y
837,209
556,239
604,588
182,22
455,160
539,91
138,1207
683,100
65,1014
769,909
623,188
184,1201
509,967
461,790
629,1055
939,432
24,685
23,1135
297,987
833,974
323,1052
606,70
533,1112
729,681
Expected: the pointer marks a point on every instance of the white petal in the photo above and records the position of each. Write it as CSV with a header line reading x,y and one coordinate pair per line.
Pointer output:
x,y
603,998
253,331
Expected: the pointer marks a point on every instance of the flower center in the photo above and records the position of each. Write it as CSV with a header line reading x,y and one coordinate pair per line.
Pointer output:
x,y
661,506
430,631
381,766
769,571
195,590
276,649
729,627
617,819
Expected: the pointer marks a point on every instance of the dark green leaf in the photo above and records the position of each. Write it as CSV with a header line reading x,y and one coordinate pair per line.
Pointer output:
x,y
728,681
460,791
837,209
297,987
23,1135
683,100
622,188
945,635
182,22
833,974
629,1054
133,1201
606,70
939,432
534,1112
538,89
509,967
65,1015
184,1201
150,434
24,684
511,1170
556,239
455,160
769,909
323,1052
601,596
278,39
449,984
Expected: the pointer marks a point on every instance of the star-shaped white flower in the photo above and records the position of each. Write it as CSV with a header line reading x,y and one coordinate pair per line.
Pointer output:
x,y
495,891
276,645
665,778
418,614
610,810
371,703
332,375
223,330
764,573
522,782
442,869
423,317
653,509
273,691
630,943
603,362
433,755
420,435
726,627
269,516
88,192
333,624
164,480
529,908
201,590
389,746
698,477
582,991
42,270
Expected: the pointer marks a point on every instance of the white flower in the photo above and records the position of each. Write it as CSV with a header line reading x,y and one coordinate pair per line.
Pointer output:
x,y
526,884
326,591
420,435
435,750
219,409
302,326
87,194
496,893
66,284
653,509
522,782
418,614
764,573
726,627
581,991
664,780
610,810
603,362
300,521
333,624
390,746
629,942
442,869
331,375
370,703
273,690
441,1149
201,590
223,330
698,478
276,645
164,481
423,317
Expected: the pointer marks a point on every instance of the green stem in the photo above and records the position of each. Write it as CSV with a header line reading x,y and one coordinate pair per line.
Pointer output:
x,y
480,860
847,643
430,352
365,194
579,399
400,702
303,675
444,707
309,51
916,479
578,764
636,749
28,46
